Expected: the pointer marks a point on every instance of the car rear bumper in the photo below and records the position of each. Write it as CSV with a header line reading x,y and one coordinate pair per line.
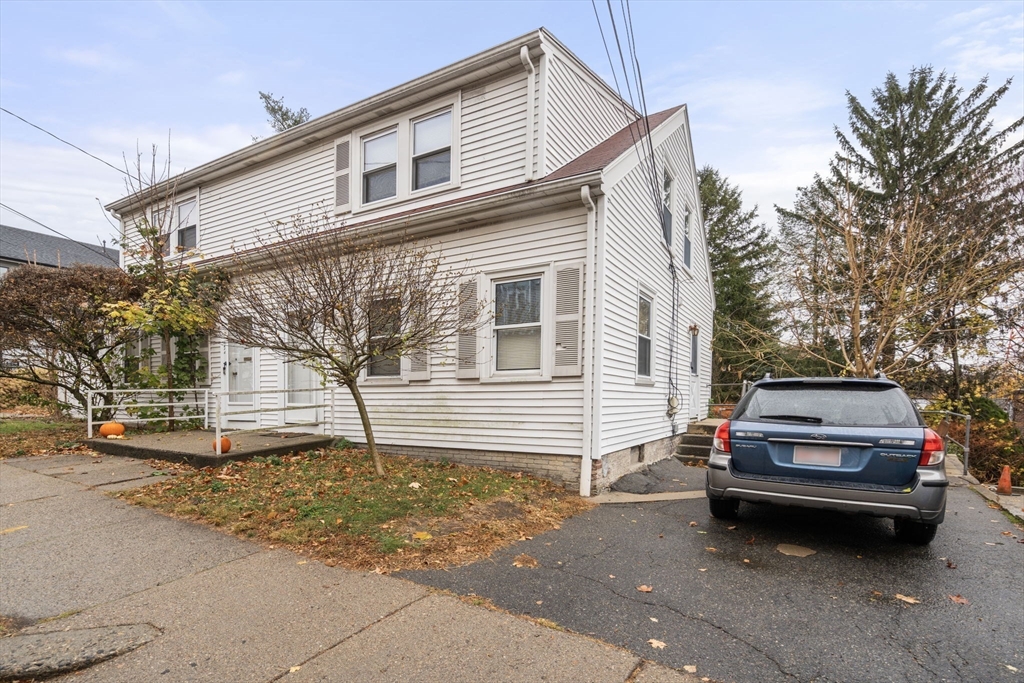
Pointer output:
x,y
925,501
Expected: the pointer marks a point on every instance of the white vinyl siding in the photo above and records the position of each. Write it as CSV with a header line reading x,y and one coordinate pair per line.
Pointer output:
x,y
634,412
494,133
580,114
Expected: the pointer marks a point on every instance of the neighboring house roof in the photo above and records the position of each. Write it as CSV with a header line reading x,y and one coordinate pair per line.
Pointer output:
x,y
25,246
611,149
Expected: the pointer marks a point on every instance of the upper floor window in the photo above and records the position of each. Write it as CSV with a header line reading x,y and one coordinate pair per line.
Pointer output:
x,y
432,151
666,208
380,167
179,227
687,220
412,154
385,325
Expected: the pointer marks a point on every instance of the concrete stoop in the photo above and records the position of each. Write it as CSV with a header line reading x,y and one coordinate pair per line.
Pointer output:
x,y
695,445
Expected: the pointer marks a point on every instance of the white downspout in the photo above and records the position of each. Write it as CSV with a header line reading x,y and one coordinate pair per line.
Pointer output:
x,y
524,56
589,366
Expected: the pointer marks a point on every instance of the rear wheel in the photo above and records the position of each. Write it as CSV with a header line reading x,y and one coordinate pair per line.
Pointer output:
x,y
725,508
914,532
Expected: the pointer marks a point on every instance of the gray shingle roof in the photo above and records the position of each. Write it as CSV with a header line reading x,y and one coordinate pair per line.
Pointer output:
x,y
25,246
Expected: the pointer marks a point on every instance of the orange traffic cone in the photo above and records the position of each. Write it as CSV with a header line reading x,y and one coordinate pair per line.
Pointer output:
x,y
1004,488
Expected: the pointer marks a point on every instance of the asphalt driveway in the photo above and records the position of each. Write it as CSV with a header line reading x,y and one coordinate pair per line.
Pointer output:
x,y
723,597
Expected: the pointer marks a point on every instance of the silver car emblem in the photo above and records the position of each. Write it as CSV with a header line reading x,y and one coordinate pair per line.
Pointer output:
x,y
819,436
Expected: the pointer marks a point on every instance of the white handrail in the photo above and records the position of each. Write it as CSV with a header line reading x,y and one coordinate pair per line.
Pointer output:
x,y
219,413
89,408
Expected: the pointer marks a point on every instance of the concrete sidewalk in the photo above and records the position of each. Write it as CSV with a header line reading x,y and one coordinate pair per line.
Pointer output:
x,y
91,578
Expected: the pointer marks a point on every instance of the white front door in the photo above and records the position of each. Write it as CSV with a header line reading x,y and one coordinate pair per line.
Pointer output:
x,y
303,390
241,374
694,411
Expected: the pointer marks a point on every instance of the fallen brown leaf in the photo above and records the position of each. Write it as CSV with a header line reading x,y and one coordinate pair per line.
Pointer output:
x,y
644,589
693,523
690,669
950,564
749,541
656,644
731,528
795,550
907,599
711,550
959,599
524,560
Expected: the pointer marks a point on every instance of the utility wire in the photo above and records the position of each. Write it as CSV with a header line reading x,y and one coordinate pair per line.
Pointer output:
x,y
104,254
69,144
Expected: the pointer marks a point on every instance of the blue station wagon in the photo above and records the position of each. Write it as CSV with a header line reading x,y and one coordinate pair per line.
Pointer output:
x,y
851,445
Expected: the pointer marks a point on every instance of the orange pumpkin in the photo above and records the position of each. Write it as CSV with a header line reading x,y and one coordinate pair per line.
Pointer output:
x,y
111,429
225,444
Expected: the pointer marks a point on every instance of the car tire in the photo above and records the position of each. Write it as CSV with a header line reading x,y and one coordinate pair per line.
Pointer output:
x,y
914,532
724,508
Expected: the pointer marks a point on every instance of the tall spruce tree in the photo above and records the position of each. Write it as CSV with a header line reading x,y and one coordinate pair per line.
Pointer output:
x,y
926,148
742,254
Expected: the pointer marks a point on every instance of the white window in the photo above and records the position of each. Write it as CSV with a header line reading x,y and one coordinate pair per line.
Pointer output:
x,y
432,151
385,324
644,335
380,167
396,160
666,208
179,227
3,271
687,248
695,353
517,324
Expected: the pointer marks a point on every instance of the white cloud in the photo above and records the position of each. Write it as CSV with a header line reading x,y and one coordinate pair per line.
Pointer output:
x,y
102,58
985,40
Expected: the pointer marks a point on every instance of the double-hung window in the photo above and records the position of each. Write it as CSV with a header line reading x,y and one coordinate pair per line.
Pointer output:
x,y
384,327
380,166
432,150
643,336
178,227
517,324
187,225
666,208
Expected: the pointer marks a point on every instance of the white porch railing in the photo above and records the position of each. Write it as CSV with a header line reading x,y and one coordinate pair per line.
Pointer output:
x,y
221,400
125,407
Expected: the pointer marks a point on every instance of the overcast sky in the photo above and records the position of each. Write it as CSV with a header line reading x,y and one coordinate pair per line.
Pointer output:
x,y
765,82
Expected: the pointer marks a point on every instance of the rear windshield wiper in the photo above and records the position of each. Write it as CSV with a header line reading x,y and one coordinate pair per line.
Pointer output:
x,y
794,418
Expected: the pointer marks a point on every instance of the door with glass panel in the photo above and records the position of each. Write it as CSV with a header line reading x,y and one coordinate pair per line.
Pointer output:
x,y
240,369
694,374
304,392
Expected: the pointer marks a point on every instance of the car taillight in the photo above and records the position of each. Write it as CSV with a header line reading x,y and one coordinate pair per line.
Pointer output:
x,y
722,438
934,451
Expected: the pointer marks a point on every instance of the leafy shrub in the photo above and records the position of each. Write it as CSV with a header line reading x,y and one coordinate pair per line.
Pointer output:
x,y
994,443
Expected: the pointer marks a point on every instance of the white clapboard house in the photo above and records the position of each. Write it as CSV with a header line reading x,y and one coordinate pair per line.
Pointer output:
x,y
523,164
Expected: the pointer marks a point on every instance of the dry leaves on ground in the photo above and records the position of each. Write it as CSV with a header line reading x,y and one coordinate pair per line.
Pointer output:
x,y
907,599
644,589
656,644
795,550
524,560
959,599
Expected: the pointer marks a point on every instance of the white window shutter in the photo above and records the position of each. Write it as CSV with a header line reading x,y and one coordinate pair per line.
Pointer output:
x,y
467,343
419,364
568,320
342,182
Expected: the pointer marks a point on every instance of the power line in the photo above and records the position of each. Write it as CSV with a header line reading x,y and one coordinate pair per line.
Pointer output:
x,y
69,144
104,254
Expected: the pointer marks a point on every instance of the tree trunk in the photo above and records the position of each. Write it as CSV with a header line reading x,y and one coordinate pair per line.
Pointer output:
x,y
169,365
364,417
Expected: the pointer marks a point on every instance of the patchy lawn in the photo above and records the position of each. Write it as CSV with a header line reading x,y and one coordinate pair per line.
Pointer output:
x,y
329,505
36,436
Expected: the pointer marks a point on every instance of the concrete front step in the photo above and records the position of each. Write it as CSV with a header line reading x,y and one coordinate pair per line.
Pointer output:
x,y
689,449
707,426
697,440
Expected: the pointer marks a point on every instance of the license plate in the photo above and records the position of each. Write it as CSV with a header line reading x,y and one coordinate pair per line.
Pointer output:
x,y
817,455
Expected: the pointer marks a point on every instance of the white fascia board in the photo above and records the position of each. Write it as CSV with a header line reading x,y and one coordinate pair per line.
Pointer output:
x,y
446,79
628,160
700,214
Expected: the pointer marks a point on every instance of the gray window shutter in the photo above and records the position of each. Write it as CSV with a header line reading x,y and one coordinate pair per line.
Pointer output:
x,y
467,351
419,364
568,320
342,184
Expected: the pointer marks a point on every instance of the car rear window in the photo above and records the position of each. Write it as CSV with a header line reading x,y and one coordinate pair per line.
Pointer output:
x,y
832,405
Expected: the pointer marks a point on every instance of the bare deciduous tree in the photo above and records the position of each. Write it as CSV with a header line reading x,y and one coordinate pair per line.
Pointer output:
x,y
343,303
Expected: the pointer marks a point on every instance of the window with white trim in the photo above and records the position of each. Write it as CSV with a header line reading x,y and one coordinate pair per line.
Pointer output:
x,y
432,150
644,335
178,226
666,207
397,160
517,324
384,325
380,166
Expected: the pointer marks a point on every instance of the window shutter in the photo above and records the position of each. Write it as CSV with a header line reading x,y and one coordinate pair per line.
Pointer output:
x,y
342,184
467,351
568,320
419,364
